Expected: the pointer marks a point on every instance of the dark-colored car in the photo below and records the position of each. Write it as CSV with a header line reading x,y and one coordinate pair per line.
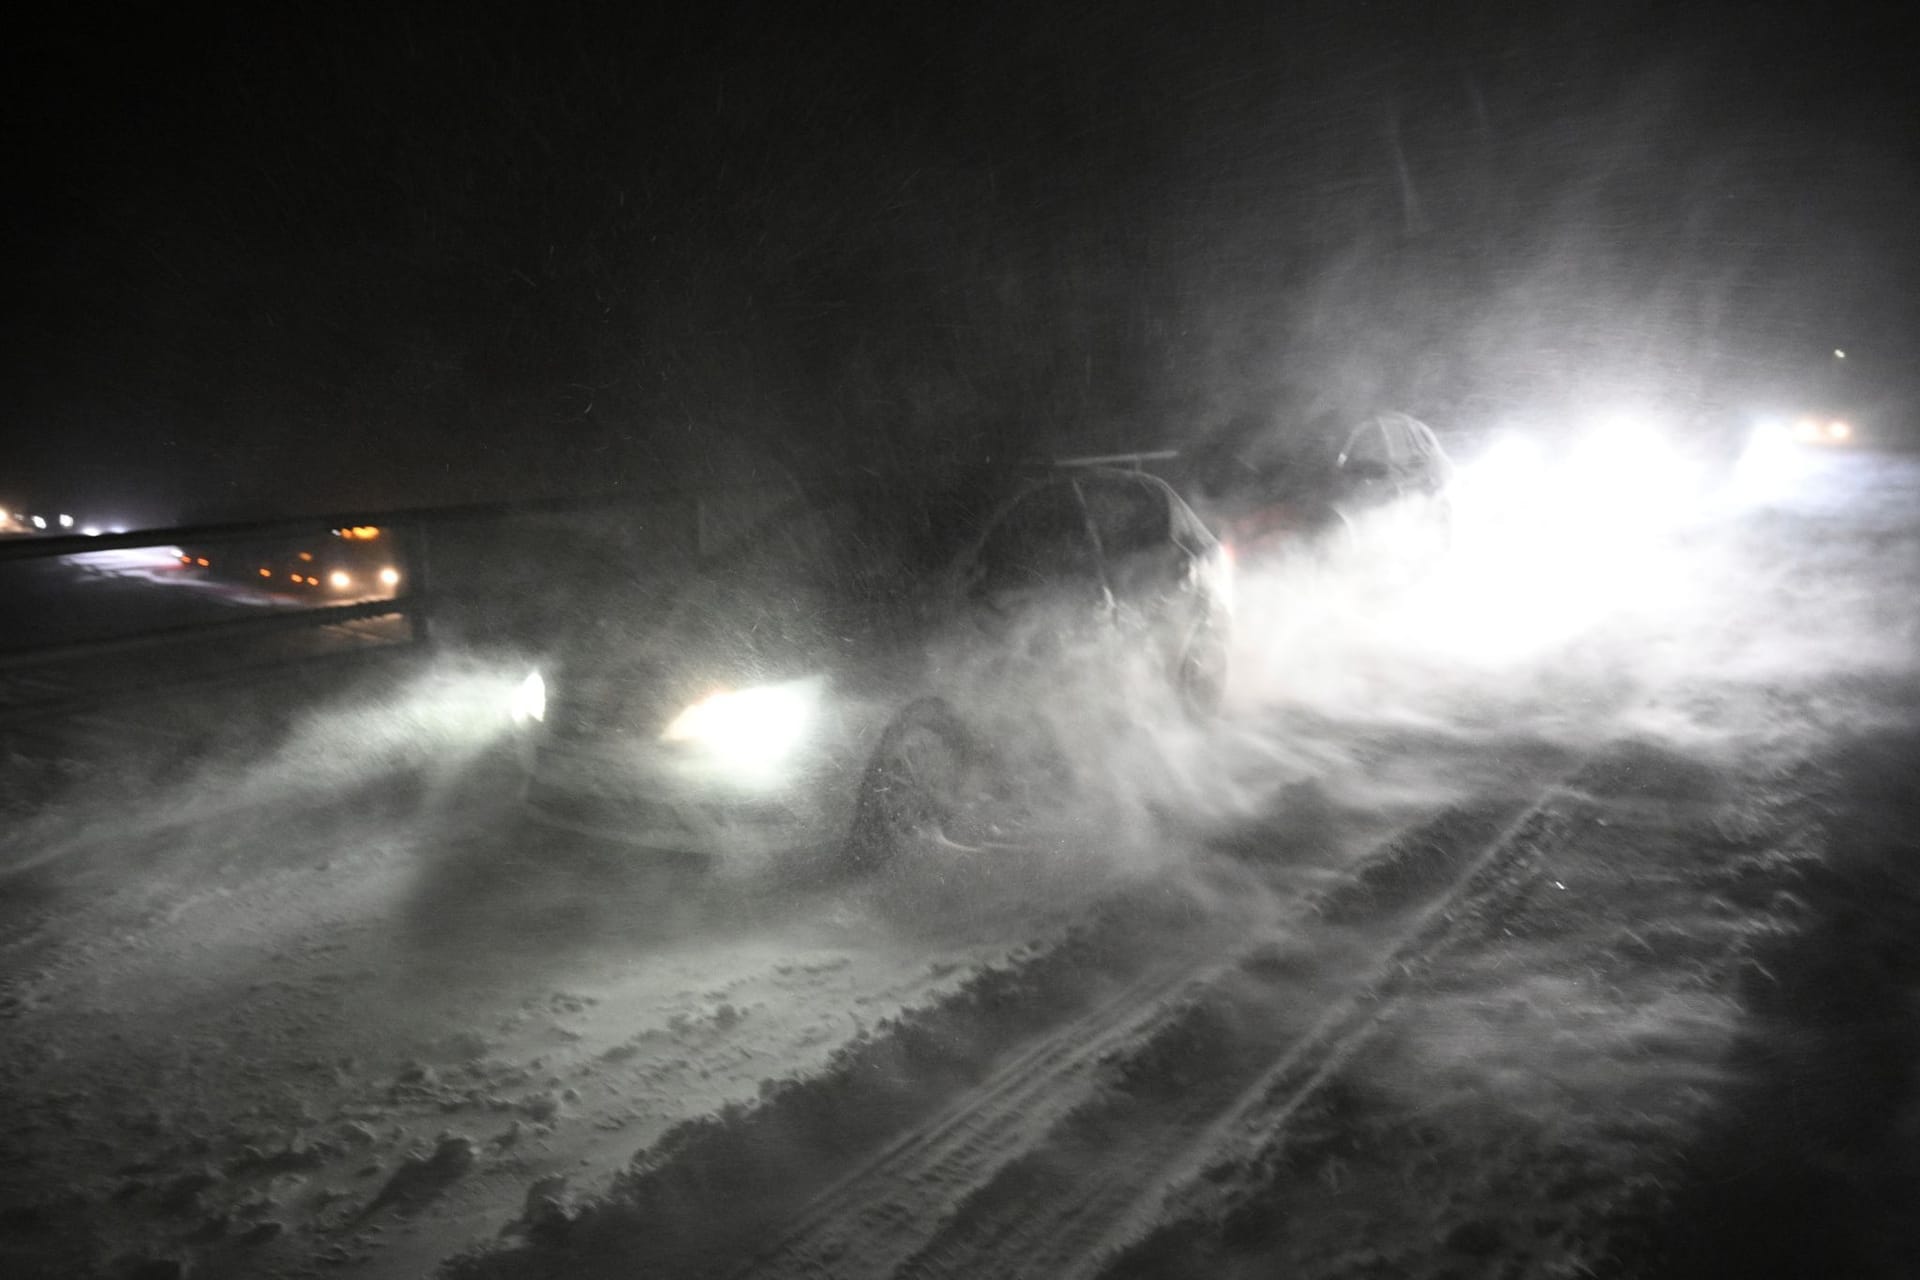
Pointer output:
x,y
855,671
1275,486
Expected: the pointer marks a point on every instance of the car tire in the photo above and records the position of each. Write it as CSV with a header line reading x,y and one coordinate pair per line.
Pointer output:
x,y
915,787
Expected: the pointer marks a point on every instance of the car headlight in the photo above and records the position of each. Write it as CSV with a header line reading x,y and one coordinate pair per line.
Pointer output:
x,y
529,701
748,727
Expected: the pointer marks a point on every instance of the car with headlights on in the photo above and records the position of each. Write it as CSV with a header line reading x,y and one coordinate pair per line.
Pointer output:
x,y
862,669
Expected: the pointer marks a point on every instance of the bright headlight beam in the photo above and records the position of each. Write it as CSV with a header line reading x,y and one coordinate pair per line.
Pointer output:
x,y
751,728
529,701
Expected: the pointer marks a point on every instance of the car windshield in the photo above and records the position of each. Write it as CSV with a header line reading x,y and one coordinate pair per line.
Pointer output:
x,y
1128,514
1040,540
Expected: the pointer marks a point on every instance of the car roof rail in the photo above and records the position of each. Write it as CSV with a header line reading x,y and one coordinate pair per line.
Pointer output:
x,y
1132,460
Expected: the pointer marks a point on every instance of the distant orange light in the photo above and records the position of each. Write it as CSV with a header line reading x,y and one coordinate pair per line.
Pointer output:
x,y
360,532
266,573
186,559
306,555
203,562
313,582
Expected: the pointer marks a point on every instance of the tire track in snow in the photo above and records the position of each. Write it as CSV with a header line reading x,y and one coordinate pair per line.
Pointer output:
x,y
856,1171
1103,1173
896,1213
877,1211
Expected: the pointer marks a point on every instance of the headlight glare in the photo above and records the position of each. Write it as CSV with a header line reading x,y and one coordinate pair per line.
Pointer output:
x,y
753,727
529,701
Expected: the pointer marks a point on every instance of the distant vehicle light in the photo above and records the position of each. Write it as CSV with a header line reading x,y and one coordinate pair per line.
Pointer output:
x,y
306,556
66,521
389,577
339,579
186,559
203,562
360,532
266,573
1806,431
529,701
1839,431
313,582
90,531
1838,354
39,522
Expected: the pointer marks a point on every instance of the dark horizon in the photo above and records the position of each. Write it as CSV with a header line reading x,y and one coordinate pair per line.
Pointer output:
x,y
321,265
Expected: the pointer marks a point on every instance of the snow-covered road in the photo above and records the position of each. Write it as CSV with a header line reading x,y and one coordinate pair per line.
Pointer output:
x,y
1443,952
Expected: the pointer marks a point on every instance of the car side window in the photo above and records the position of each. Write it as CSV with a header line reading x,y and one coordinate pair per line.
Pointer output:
x,y
1366,450
1425,447
1402,443
1429,443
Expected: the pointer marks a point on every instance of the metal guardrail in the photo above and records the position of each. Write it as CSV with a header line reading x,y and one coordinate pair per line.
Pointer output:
x,y
412,603
44,545
413,529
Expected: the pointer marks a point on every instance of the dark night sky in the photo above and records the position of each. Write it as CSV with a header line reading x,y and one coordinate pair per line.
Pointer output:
x,y
354,259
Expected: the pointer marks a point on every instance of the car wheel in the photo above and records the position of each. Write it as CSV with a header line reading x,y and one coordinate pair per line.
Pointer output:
x,y
921,789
